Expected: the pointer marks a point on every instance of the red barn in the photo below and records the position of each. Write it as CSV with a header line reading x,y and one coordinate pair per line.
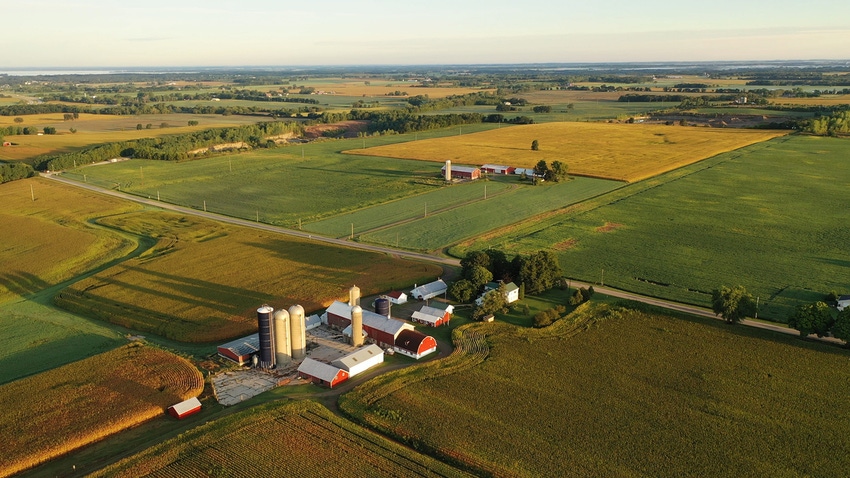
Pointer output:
x,y
321,373
381,330
415,344
463,172
241,350
498,169
431,316
185,408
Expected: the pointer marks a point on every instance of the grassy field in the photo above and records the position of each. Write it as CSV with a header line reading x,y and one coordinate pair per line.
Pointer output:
x,y
95,129
281,185
49,239
771,217
618,392
204,280
435,231
281,439
826,100
85,401
625,152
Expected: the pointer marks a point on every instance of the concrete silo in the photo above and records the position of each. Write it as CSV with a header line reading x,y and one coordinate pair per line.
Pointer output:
x,y
354,296
356,326
448,170
282,345
298,327
266,355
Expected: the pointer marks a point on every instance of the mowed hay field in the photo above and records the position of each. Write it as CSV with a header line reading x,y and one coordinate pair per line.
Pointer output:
x,y
618,392
772,217
96,129
55,412
281,439
49,240
204,280
625,152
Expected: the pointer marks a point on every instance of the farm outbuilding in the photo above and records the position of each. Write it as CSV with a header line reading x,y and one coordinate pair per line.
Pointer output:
x,y
429,290
431,316
361,360
497,169
397,297
241,350
321,373
415,344
185,408
843,302
463,172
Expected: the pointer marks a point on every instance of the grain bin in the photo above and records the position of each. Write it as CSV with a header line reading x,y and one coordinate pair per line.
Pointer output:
x,y
266,354
382,306
282,345
298,327
356,326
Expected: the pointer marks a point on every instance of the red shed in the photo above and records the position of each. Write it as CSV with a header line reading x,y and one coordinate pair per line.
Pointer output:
x,y
464,172
321,373
185,408
240,350
415,344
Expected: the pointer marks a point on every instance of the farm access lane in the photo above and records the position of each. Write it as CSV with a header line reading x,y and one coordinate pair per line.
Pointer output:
x,y
257,225
689,309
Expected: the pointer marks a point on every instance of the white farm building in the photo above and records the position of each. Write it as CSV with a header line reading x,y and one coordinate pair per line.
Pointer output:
x,y
360,360
429,290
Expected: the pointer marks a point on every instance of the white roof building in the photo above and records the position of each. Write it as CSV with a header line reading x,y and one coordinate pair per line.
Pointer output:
x,y
427,291
360,360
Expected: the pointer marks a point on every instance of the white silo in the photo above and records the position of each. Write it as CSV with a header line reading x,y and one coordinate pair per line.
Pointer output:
x,y
298,327
448,170
354,296
356,326
282,345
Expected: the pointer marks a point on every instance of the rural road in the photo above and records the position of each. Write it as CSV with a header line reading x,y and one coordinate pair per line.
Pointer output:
x,y
689,309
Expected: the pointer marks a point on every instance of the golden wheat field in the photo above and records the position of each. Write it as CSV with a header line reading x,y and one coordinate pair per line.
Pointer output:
x,y
828,100
204,280
48,240
383,88
55,412
625,152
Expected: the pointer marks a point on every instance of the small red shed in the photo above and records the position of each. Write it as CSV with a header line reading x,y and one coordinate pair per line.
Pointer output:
x,y
321,373
185,408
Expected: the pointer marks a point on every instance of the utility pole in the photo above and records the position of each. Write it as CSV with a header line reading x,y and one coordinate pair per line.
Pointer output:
x,y
230,164
602,281
157,195
426,209
258,215
757,307
205,205
299,223
32,193
352,231
485,191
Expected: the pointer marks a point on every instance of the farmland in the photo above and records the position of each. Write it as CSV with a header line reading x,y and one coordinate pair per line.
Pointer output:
x,y
203,280
771,217
281,439
619,392
49,239
625,152
87,400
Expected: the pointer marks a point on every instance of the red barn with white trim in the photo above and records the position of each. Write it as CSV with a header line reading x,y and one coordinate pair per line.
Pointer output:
x,y
185,408
415,344
321,373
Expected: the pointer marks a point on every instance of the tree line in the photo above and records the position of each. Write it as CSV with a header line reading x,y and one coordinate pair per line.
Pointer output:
x,y
15,171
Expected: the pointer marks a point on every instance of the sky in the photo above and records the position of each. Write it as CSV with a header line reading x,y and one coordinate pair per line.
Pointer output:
x,y
174,33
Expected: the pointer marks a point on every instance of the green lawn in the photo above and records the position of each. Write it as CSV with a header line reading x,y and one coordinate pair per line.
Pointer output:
x,y
772,217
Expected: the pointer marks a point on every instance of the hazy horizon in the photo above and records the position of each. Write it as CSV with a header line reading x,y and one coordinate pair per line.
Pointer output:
x,y
87,34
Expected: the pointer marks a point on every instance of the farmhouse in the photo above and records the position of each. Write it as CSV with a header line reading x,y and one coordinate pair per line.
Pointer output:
x,y
321,373
429,290
397,297
511,292
241,350
843,302
415,344
431,316
185,408
497,169
380,329
361,360
463,172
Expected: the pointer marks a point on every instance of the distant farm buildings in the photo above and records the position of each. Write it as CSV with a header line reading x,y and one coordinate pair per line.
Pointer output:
x,y
497,169
462,172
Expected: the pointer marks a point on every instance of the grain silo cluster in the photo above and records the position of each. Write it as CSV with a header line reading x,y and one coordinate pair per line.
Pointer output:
x,y
283,336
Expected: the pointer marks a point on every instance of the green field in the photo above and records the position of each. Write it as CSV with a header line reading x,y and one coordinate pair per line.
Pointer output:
x,y
445,228
618,392
281,439
280,185
771,217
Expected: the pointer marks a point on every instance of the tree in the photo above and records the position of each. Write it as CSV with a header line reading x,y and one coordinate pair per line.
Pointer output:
x,y
18,119
73,130
472,259
812,318
193,123
541,170
49,130
542,109
535,146
462,290
479,276
733,304
539,271
493,303
558,172
841,327
139,126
